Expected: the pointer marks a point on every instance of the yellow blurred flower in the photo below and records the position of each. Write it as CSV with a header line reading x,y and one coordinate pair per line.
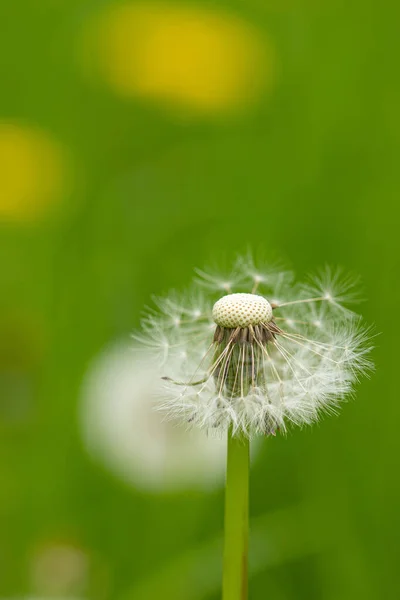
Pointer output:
x,y
189,57
32,172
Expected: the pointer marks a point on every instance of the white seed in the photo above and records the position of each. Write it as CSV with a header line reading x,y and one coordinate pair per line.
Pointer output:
x,y
241,310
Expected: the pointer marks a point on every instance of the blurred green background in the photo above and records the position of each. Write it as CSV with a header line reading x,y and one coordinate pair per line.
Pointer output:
x,y
137,143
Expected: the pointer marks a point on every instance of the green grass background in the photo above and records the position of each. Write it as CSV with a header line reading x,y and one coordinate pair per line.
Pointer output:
x,y
310,174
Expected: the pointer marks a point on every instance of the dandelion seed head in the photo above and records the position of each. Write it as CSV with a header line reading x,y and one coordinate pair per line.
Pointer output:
x,y
269,354
241,310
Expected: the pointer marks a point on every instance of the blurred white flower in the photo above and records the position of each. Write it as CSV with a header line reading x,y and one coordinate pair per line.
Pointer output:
x,y
122,430
275,353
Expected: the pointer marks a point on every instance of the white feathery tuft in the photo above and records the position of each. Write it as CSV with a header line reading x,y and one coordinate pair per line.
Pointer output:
x,y
257,374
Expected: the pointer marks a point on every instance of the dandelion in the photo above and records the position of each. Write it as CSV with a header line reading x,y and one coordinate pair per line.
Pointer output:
x,y
252,352
256,360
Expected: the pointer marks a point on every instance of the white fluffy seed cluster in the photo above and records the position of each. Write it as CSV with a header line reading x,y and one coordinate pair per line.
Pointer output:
x,y
241,310
315,360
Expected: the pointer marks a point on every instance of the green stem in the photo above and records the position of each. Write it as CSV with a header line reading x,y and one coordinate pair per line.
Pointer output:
x,y
234,584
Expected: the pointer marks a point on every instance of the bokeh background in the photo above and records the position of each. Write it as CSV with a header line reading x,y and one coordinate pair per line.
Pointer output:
x,y
141,140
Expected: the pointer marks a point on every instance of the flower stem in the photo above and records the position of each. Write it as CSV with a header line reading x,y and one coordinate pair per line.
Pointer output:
x,y
234,584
